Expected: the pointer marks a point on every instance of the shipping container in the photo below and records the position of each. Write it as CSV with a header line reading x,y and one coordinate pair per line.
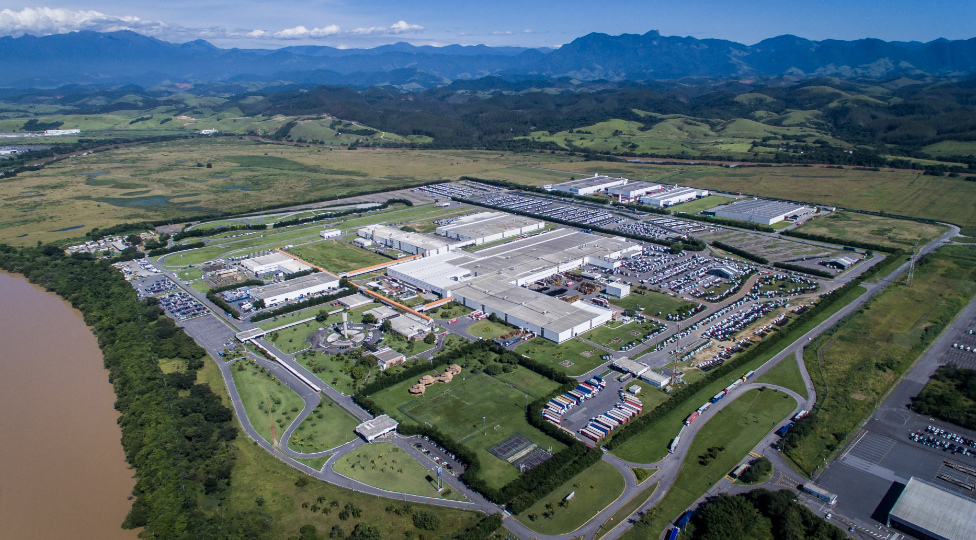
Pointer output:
x,y
691,418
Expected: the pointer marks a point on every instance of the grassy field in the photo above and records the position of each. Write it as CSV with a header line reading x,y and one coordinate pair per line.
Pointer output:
x,y
613,337
256,472
488,330
328,370
276,322
651,444
626,510
384,466
731,434
785,374
457,409
875,229
856,362
259,391
294,338
584,357
705,203
653,303
327,427
593,489
336,256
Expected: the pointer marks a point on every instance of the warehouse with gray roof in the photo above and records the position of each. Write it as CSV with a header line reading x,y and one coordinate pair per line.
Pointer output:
x,y
295,289
589,186
760,211
925,510
485,227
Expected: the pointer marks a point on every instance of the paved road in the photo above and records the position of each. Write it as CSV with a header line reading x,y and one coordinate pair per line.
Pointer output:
x,y
669,466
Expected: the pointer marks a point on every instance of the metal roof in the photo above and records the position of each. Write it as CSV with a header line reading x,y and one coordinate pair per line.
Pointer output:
x,y
371,429
761,208
485,224
936,511
593,181
630,366
294,285
546,312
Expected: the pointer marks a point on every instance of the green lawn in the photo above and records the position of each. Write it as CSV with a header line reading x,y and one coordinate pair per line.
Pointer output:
x,y
271,324
294,338
654,302
863,356
875,229
593,489
705,203
731,434
384,466
632,505
315,463
457,409
354,315
618,335
259,390
455,310
553,354
328,370
193,256
190,275
786,374
200,286
336,256
488,330
652,443
327,427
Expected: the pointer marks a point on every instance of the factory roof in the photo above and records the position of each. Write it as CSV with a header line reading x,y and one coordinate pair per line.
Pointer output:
x,y
422,241
486,224
371,429
593,181
386,354
653,376
294,285
672,192
630,366
547,312
409,325
354,301
272,258
761,208
634,187
938,512
434,270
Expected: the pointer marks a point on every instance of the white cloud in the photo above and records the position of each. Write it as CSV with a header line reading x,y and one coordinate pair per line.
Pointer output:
x,y
400,27
45,21
501,33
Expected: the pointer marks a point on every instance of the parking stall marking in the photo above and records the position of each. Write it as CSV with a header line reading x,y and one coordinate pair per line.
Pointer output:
x,y
872,448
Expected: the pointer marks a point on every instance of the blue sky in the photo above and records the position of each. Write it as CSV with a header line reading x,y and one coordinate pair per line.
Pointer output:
x,y
366,23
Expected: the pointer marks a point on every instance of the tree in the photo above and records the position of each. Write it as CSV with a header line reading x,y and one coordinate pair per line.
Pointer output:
x,y
337,532
759,469
730,518
387,326
322,316
369,318
134,239
365,532
430,338
426,520
308,532
676,248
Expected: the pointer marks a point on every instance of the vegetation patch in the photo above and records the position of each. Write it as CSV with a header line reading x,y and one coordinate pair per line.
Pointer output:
x,y
383,465
575,502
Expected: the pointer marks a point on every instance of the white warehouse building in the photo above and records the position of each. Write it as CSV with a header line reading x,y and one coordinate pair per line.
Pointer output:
x,y
673,196
273,263
408,242
760,211
633,190
485,227
295,289
330,233
589,186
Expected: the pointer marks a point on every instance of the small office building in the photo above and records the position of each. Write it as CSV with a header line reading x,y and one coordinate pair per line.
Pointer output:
x,y
377,427
387,358
330,233
273,263
618,290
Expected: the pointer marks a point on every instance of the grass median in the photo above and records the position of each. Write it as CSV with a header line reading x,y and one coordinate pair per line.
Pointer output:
x,y
266,399
384,466
593,489
328,426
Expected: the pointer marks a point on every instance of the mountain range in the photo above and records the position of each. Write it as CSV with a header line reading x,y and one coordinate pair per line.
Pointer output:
x,y
126,57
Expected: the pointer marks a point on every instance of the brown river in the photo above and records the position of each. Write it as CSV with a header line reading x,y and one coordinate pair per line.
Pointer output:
x,y
63,474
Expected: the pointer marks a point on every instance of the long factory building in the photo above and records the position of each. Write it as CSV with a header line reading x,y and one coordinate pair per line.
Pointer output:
x,y
492,280
760,211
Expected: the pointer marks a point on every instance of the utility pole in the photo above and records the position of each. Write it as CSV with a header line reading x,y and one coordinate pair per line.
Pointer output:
x,y
911,267
484,423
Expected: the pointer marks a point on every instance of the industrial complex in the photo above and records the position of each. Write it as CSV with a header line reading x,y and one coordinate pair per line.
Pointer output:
x,y
760,211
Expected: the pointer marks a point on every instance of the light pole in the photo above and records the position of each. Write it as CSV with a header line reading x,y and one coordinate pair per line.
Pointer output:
x,y
484,423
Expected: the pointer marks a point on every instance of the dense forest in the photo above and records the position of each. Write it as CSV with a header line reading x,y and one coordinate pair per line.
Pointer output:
x,y
951,396
760,515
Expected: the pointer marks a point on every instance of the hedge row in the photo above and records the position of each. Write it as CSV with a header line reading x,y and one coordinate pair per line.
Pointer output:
x,y
740,252
303,273
248,283
480,530
305,303
637,426
174,249
689,244
219,302
839,241
644,208
333,215
804,270
196,233
727,222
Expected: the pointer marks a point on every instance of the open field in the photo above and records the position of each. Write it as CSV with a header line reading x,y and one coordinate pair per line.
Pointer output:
x,y
863,356
875,229
457,409
383,465
328,370
327,427
705,203
632,505
594,489
488,330
259,391
730,435
294,338
583,356
337,256
614,337
652,444
276,322
785,374
654,303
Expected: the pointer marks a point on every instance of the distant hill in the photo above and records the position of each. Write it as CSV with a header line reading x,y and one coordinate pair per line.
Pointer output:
x,y
129,58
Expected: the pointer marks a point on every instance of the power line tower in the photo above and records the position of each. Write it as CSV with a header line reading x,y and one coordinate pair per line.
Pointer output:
x,y
911,266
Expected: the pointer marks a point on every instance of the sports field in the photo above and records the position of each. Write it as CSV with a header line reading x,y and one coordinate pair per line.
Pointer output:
x,y
593,489
727,438
467,407
337,256
327,427
874,229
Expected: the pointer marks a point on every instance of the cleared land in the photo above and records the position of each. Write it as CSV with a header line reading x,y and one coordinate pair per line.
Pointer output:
x,y
875,229
383,465
728,436
327,427
265,399
457,409
653,303
859,359
593,489
336,256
